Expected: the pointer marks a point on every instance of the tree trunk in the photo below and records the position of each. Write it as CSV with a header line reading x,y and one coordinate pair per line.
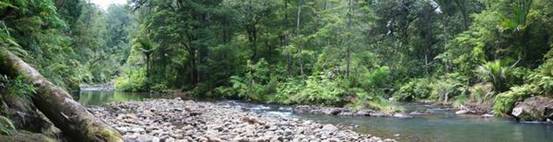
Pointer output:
x,y
286,40
58,105
348,46
298,33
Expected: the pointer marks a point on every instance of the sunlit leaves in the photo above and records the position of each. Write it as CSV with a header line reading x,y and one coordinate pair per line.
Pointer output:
x,y
517,20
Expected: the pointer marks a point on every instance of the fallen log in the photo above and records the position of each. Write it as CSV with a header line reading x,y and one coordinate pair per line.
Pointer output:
x,y
68,115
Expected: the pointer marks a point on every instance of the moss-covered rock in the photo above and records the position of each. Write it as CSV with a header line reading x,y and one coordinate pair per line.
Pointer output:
x,y
26,136
505,102
534,109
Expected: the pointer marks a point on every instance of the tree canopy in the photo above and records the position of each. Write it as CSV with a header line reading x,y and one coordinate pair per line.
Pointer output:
x,y
360,53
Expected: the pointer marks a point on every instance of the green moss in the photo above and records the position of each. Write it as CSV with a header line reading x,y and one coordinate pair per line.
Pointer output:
x,y
95,130
111,135
504,102
26,136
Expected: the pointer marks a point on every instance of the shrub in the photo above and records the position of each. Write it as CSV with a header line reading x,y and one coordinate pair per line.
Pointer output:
x,y
374,100
132,81
256,84
6,126
505,102
414,90
286,89
17,86
448,86
375,79
319,90
459,101
498,73
481,92
159,87
539,82
543,77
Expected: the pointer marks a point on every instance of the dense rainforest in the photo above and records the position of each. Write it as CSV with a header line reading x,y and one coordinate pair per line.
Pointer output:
x,y
482,55
360,53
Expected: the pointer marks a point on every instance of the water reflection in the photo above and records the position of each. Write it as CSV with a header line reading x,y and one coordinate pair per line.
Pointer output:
x,y
446,127
103,97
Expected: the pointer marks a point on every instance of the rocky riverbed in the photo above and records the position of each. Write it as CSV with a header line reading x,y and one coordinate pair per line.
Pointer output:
x,y
341,111
179,120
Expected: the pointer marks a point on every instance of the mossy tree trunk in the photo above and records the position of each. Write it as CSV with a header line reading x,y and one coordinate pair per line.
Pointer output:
x,y
71,117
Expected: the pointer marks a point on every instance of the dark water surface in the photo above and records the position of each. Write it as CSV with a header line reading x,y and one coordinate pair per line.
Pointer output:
x,y
441,126
93,97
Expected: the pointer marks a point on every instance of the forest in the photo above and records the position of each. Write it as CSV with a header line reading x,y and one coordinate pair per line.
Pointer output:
x,y
476,56
361,53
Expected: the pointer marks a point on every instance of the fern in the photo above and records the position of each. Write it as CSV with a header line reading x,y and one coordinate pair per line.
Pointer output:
x,y
6,126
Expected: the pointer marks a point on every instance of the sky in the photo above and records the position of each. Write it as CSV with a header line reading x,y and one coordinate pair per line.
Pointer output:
x,y
105,3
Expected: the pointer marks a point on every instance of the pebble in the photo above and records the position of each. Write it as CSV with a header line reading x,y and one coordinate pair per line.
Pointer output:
x,y
176,120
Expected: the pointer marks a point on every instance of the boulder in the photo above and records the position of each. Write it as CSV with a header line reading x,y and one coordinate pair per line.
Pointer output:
x,y
26,136
463,111
377,114
486,115
365,112
534,109
329,128
418,113
402,115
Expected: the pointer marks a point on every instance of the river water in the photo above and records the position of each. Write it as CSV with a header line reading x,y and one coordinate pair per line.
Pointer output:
x,y
442,125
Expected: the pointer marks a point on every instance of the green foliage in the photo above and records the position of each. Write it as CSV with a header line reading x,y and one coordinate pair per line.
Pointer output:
x,y
377,78
481,93
459,101
374,100
17,86
497,73
65,42
415,89
33,30
448,87
360,53
504,102
543,76
443,88
319,90
6,126
538,82
257,82
133,81
518,19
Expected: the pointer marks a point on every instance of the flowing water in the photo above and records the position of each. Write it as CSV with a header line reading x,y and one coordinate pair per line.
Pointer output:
x,y
442,125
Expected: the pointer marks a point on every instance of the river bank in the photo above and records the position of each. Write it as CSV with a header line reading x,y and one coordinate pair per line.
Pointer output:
x,y
179,120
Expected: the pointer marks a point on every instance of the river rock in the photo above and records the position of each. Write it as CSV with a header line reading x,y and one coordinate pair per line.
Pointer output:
x,y
534,108
163,120
364,112
377,114
402,115
463,111
346,114
487,115
329,128
473,109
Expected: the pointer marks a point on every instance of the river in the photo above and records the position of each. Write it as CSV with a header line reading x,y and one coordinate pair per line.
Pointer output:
x,y
442,125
